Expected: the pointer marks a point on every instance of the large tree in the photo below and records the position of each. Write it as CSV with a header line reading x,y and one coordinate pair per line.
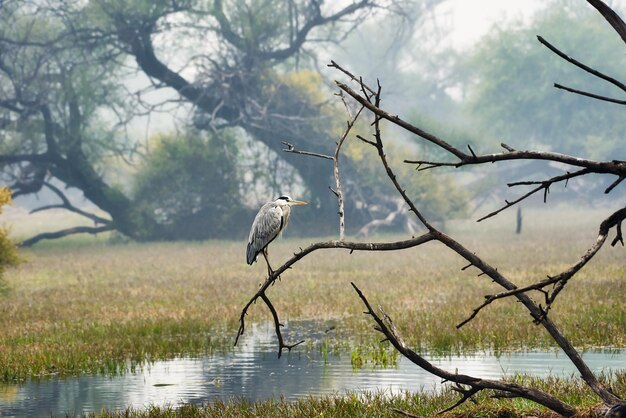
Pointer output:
x,y
240,81
62,71
54,96
65,70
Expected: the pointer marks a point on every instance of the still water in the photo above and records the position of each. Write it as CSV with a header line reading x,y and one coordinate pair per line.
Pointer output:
x,y
253,371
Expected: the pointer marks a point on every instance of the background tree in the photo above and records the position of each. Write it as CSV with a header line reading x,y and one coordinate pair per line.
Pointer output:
x,y
512,97
508,90
192,186
238,82
66,70
55,98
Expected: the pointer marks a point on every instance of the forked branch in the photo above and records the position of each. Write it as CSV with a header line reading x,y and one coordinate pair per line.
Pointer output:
x,y
560,280
67,205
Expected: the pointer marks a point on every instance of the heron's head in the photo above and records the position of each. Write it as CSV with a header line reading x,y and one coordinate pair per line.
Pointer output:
x,y
285,200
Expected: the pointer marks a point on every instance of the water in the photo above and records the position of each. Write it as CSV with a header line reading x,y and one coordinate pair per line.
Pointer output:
x,y
255,372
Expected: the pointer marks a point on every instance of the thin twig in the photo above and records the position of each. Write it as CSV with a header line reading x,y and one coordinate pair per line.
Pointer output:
x,y
588,94
582,66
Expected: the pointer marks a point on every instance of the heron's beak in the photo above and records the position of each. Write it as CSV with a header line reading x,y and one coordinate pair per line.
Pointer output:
x,y
297,202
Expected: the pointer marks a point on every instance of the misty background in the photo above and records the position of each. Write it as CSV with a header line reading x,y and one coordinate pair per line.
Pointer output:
x,y
166,120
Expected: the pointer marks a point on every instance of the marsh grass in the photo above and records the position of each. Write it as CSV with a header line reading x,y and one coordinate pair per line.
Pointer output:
x,y
377,355
82,306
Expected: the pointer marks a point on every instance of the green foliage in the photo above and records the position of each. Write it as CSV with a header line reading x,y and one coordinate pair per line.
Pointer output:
x,y
190,184
512,78
8,251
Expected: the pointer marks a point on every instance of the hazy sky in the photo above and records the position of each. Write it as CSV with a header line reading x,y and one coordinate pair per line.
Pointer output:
x,y
470,19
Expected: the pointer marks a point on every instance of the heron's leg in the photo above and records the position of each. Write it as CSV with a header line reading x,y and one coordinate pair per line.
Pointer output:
x,y
269,268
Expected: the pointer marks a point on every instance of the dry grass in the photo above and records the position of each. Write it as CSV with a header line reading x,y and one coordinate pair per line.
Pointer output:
x,y
85,306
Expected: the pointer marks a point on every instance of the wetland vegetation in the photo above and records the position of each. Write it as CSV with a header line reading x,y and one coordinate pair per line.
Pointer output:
x,y
85,306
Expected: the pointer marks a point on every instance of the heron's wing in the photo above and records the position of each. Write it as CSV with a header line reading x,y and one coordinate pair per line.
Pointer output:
x,y
265,228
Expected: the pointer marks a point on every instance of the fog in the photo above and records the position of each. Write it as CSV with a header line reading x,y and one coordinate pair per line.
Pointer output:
x,y
197,144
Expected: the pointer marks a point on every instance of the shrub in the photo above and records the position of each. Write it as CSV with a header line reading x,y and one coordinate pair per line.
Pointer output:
x,y
190,184
8,250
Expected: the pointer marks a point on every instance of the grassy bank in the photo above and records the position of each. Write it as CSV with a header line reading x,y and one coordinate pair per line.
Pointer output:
x,y
85,306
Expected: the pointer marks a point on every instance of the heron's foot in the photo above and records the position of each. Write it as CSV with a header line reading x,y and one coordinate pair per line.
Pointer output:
x,y
270,273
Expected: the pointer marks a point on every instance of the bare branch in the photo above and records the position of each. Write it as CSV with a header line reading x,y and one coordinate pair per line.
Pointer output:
x,y
338,191
560,279
543,185
536,311
592,95
582,66
333,64
614,184
466,395
395,119
66,204
613,18
66,232
390,173
277,325
404,413
606,167
292,149
317,20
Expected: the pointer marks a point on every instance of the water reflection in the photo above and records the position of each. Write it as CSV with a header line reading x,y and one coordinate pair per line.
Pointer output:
x,y
255,372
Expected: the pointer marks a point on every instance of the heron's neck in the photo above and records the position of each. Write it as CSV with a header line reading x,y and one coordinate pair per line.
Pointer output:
x,y
286,213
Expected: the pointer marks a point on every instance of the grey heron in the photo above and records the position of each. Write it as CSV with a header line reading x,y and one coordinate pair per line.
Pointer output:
x,y
271,220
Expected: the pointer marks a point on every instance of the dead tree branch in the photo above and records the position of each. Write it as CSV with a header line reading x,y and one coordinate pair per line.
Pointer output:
x,y
582,66
560,280
543,185
386,327
338,190
468,386
592,95
536,311
352,246
601,167
611,17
